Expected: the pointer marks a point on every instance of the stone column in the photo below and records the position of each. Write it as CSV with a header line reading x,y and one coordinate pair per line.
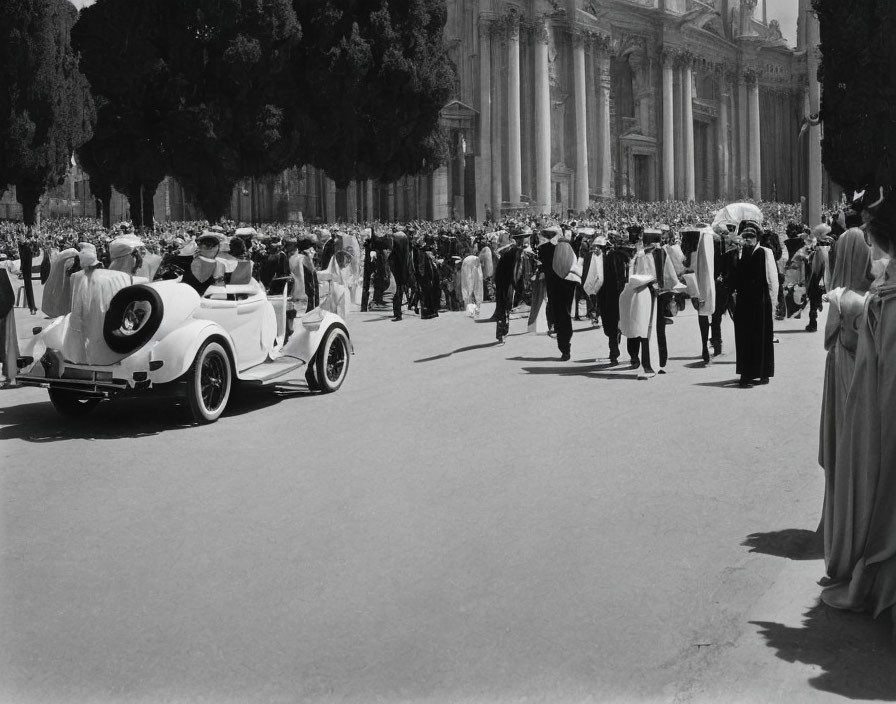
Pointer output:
x,y
351,202
604,136
755,153
484,180
498,79
580,202
687,89
370,215
742,155
678,122
668,130
813,185
330,199
723,155
514,157
542,121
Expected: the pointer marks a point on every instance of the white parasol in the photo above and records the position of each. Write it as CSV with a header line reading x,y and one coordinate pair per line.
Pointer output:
x,y
735,214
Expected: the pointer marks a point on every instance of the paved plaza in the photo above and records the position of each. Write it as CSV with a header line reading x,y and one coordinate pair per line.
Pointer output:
x,y
461,522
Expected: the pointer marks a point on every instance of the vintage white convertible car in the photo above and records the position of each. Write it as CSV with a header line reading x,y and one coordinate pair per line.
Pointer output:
x,y
164,336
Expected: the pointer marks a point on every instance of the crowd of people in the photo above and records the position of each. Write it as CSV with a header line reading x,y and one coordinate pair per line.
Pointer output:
x,y
632,266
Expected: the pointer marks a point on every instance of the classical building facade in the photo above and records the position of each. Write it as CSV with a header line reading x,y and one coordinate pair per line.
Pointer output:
x,y
560,104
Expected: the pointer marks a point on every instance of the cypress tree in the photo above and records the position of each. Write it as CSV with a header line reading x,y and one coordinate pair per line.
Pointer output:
x,y
46,109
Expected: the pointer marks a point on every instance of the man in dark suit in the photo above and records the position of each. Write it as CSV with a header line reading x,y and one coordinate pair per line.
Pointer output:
x,y
399,263
560,290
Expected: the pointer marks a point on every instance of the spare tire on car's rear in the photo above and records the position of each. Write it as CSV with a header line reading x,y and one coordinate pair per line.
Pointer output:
x,y
134,316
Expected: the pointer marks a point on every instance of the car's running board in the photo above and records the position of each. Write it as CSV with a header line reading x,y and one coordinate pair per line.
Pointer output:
x,y
269,371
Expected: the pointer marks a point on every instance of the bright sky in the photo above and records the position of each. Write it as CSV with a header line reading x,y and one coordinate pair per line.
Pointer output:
x,y
785,11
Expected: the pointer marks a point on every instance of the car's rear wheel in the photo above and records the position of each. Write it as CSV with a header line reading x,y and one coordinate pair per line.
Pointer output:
x,y
209,383
331,361
72,404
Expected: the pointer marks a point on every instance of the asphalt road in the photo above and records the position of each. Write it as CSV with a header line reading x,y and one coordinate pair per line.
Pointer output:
x,y
461,522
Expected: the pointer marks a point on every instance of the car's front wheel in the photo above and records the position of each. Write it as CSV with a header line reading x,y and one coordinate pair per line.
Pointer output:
x,y
331,361
209,383
72,404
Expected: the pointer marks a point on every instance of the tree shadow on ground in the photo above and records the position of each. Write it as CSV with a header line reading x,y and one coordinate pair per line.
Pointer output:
x,y
792,543
468,348
854,651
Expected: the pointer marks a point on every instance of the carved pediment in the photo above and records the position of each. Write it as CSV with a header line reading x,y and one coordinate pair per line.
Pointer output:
x,y
458,114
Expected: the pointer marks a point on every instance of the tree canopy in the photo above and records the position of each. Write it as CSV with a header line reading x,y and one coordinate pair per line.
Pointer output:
x,y
46,108
858,80
374,75
213,91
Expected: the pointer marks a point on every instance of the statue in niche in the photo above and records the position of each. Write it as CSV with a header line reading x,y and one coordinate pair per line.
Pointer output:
x,y
747,9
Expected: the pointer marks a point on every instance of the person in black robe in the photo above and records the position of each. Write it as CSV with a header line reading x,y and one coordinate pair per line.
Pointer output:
x,y
509,266
753,335
399,260
329,249
427,275
26,255
275,265
615,277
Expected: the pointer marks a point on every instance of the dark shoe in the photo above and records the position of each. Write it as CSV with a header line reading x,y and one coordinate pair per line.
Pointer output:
x,y
812,327
635,362
396,319
564,357
745,383
763,381
614,361
716,351
363,309
705,355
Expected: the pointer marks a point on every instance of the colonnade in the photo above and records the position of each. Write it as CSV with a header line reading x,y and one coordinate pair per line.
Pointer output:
x,y
497,87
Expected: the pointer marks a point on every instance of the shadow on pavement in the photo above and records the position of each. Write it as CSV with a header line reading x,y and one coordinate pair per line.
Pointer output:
x,y
854,651
127,418
592,372
792,543
792,332
728,384
468,348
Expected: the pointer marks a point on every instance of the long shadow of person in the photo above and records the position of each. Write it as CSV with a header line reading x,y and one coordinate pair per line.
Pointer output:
x,y
792,543
854,652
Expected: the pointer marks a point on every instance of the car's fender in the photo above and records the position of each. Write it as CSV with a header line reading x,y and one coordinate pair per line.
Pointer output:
x,y
178,349
50,337
309,331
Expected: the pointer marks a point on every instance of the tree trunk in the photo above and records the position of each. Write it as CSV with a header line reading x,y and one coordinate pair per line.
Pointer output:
x,y
133,193
106,200
148,215
28,194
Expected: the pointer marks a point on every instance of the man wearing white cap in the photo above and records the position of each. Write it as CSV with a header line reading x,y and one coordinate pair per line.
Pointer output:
x,y
125,255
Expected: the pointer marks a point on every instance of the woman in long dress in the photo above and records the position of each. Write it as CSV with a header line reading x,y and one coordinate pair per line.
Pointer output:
x,y
866,448
849,289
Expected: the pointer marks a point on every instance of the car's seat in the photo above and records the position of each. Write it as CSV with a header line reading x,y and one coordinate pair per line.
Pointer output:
x,y
242,274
